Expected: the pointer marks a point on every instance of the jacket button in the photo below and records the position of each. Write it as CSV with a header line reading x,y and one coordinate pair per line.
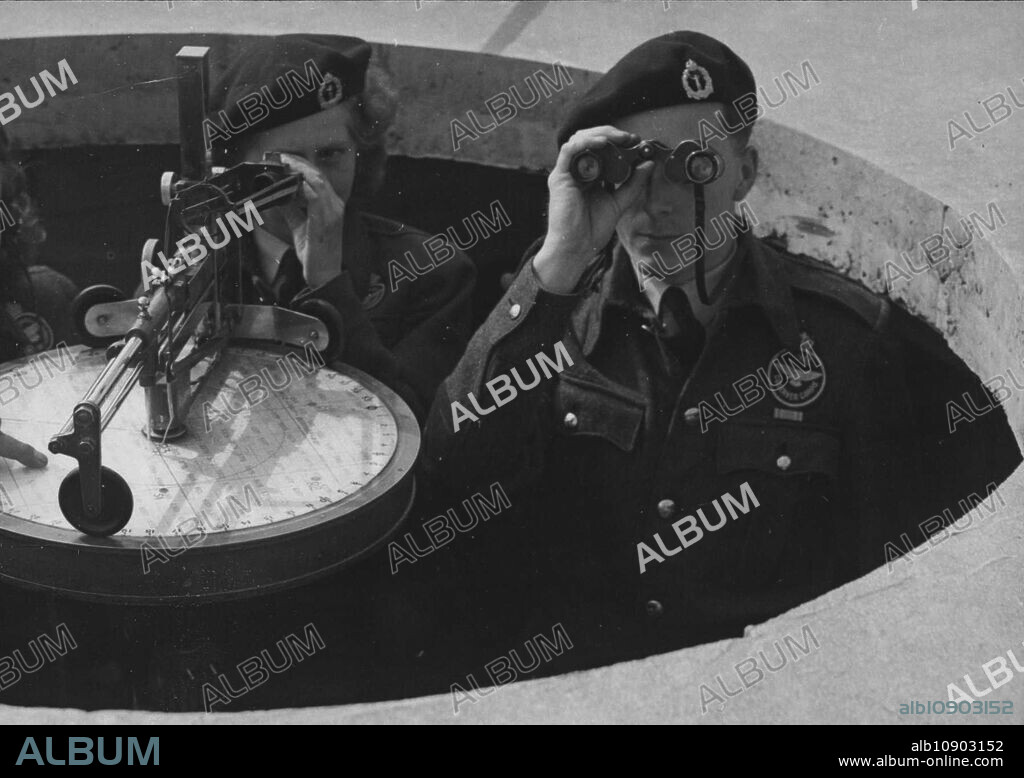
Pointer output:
x,y
570,421
666,509
515,310
653,608
783,462
691,416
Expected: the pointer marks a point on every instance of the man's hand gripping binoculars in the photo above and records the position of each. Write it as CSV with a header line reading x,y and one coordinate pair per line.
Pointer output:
x,y
610,164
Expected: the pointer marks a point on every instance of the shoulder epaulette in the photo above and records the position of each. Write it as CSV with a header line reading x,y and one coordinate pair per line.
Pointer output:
x,y
383,226
812,276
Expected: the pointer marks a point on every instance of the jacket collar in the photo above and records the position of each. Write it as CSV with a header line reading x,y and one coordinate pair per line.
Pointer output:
x,y
761,282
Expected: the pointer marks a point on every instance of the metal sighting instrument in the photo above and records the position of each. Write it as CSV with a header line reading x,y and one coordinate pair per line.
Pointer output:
x,y
168,340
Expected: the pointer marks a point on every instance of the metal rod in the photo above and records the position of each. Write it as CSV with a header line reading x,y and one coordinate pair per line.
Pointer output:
x,y
106,380
193,75
117,365
117,395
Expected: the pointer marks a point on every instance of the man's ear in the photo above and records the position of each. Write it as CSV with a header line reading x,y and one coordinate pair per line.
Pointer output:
x,y
748,173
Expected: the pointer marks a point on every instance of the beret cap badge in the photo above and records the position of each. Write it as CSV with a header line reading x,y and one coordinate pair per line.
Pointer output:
x,y
696,81
660,73
331,91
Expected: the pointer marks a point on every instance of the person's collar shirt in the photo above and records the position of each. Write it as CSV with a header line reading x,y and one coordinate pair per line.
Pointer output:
x,y
654,289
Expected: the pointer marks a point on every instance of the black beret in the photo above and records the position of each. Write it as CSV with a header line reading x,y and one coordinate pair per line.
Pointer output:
x,y
679,68
283,79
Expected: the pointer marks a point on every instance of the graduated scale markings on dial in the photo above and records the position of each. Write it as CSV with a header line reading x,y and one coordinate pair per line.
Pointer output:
x,y
314,443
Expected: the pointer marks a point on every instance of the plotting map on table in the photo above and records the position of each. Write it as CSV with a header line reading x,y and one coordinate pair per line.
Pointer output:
x,y
291,440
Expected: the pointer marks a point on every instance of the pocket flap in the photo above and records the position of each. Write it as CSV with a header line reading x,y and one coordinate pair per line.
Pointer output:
x,y
587,408
779,448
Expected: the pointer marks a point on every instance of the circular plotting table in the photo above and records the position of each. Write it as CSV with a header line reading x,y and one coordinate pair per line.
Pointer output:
x,y
295,473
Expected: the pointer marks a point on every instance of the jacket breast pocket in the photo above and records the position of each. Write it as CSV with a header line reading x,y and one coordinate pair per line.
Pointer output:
x,y
784,450
585,408
793,471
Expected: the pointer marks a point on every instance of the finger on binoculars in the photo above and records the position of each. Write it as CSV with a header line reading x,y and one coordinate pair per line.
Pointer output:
x,y
630,191
596,137
313,176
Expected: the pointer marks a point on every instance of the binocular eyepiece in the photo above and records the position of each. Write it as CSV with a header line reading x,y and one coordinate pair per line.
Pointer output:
x,y
686,163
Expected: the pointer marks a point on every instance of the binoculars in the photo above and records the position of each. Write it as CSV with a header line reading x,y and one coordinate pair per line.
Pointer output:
x,y
687,163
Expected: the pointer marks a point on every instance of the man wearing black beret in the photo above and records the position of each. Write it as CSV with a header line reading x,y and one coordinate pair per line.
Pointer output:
x,y
720,431
320,101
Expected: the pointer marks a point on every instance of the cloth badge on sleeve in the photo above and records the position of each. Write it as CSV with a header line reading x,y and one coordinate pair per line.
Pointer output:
x,y
805,376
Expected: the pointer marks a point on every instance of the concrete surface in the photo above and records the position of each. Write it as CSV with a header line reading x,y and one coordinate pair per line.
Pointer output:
x,y
856,170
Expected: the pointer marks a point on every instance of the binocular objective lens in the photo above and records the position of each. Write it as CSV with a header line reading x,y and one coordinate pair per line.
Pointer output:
x,y
588,167
701,168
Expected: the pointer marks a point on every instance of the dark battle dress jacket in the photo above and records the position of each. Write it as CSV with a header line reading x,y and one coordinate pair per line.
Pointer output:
x,y
658,504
